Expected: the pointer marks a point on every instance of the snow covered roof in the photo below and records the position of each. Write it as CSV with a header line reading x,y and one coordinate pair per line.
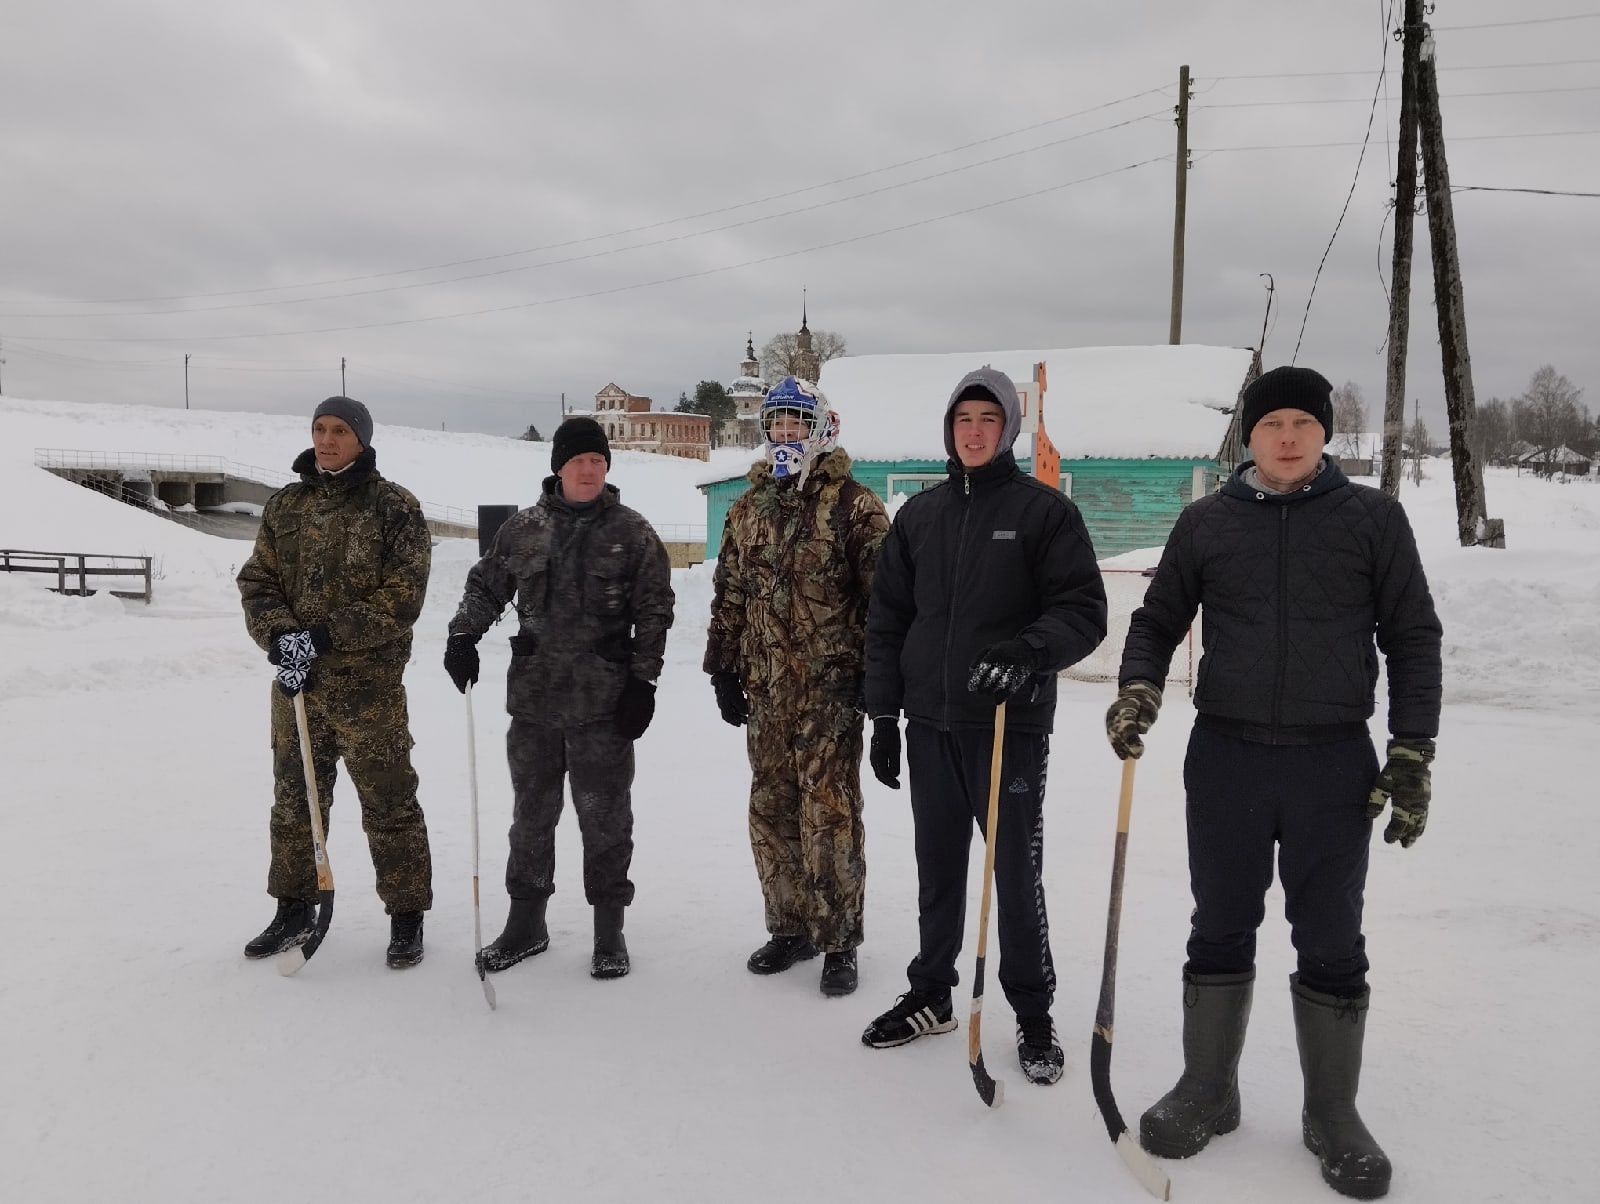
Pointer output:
x,y
1555,455
1101,402
748,385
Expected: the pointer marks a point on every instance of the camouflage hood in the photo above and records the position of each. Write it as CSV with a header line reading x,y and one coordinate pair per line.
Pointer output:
x,y
835,466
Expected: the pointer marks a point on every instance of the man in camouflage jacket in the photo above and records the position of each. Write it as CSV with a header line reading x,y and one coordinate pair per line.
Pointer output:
x,y
784,650
593,590
341,565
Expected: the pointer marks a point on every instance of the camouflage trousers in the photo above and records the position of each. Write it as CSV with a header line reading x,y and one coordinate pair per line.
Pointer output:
x,y
358,715
805,818
599,763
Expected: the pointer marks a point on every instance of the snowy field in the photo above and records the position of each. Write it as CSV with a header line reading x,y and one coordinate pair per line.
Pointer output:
x,y
146,1060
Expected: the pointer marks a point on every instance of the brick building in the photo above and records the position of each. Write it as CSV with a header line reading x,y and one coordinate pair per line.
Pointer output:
x,y
631,425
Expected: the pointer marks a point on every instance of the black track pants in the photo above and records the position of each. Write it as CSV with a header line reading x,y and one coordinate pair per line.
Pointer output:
x,y
949,774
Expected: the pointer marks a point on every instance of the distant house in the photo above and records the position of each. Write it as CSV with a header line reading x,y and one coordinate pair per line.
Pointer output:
x,y
1360,454
631,425
1556,460
1141,431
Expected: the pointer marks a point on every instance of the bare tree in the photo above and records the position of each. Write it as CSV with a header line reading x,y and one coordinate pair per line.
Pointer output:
x,y
1349,419
1417,438
1551,414
781,355
1493,431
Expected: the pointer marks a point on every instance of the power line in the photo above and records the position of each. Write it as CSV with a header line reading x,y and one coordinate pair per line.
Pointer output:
x,y
623,288
1368,72
1509,24
1534,191
1356,100
672,238
1372,114
860,175
1220,150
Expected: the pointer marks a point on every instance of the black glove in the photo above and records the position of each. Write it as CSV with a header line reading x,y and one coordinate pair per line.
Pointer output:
x,y
884,752
1004,669
1130,716
461,660
292,653
731,701
635,708
1406,782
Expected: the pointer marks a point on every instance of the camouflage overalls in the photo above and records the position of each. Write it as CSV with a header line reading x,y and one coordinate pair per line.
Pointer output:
x,y
349,550
789,615
593,590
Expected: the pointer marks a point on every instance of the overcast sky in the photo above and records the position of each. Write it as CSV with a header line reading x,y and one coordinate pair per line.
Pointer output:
x,y
484,205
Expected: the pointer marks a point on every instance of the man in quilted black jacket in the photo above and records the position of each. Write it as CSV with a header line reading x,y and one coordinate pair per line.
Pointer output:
x,y
1305,578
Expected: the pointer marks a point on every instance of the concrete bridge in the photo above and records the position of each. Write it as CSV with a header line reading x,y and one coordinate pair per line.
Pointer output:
x,y
194,490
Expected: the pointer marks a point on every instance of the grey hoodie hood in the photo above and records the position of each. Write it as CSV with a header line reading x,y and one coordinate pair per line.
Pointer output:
x,y
1000,388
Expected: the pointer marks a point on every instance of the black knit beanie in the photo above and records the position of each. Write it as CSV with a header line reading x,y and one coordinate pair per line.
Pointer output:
x,y
576,436
350,412
1287,388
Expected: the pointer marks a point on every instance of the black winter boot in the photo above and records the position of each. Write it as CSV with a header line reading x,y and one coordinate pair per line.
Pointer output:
x,y
1329,1031
405,939
525,934
293,923
610,958
839,973
779,953
1205,1101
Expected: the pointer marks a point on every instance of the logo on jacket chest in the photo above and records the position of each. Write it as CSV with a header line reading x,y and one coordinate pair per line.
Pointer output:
x,y
1005,535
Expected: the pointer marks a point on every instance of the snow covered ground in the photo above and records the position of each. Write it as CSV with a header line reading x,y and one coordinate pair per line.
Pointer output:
x,y
145,1060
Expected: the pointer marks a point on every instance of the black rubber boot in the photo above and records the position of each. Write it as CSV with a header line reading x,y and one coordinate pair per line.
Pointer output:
x,y
1330,1032
779,953
405,939
525,934
839,973
293,923
1205,1101
610,958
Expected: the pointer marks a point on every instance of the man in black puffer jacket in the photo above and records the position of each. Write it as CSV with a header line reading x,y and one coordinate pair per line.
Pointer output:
x,y
1298,570
986,587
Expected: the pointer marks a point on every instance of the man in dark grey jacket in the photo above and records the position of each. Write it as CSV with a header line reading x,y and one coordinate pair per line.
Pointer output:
x,y
593,593
1298,570
986,587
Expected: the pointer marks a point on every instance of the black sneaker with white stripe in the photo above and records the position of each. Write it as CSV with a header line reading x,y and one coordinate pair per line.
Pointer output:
x,y
913,1015
1038,1050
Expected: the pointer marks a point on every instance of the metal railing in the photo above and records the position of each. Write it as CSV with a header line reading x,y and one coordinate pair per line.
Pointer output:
x,y
75,458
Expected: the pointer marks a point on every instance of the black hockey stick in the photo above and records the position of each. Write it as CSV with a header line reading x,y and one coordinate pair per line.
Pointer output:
x,y
990,1090
1143,1166
477,920
291,960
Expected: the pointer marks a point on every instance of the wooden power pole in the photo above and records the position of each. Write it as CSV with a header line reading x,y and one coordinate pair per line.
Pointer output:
x,y
1175,332
1472,526
1405,208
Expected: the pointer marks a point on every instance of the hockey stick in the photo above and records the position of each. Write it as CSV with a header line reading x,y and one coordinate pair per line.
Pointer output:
x,y
472,789
990,1090
291,960
1144,1167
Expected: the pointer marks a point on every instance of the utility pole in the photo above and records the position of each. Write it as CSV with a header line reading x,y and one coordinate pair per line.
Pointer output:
x,y
186,380
1175,333
1405,209
1472,527
341,378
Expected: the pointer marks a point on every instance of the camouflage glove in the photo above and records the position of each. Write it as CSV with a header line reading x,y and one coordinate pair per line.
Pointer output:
x,y
731,700
461,660
884,753
1003,669
1130,716
292,654
635,708
1407,782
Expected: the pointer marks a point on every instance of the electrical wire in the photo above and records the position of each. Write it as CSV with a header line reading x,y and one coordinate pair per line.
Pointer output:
x,y
1372,115
672,238
1535,191
1356,100
1509,24
556,246
622,288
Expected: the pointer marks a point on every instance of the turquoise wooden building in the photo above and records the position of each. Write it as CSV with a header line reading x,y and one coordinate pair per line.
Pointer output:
x,y
1141,431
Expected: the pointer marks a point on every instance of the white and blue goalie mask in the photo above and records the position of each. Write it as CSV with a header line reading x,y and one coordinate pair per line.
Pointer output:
x,y
792,450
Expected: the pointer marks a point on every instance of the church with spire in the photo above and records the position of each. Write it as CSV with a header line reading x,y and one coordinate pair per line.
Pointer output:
x,y
748,389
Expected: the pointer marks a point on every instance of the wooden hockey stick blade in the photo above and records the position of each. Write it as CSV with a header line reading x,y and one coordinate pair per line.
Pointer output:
x,y
483,977
991,1091
292,961
1144,1168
